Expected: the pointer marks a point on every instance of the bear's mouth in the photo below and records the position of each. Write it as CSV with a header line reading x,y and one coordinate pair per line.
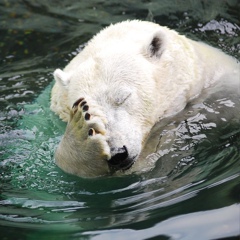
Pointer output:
x,y
121,160
123,166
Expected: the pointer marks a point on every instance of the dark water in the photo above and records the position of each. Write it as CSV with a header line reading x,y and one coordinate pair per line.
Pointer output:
x,y
194,190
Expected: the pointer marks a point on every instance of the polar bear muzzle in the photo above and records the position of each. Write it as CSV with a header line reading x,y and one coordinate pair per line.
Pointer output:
x,y
120,159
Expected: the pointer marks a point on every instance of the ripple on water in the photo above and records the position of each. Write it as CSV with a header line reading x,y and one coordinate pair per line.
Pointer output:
x,y
193,189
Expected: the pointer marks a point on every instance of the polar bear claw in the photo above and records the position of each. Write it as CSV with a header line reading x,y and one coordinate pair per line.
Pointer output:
x,y
87,118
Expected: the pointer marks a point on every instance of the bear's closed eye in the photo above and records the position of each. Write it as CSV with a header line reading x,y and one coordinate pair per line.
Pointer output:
x,y
122,96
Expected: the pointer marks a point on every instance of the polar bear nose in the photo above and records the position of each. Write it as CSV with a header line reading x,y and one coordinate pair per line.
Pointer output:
x,y
120,159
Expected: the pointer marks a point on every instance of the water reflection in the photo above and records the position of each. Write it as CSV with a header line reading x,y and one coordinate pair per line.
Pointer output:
x,y
174,228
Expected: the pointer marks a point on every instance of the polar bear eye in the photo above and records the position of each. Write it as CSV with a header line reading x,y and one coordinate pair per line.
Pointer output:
x,y
122,97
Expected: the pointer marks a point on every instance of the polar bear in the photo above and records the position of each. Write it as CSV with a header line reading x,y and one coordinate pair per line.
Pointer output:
x,y
128,77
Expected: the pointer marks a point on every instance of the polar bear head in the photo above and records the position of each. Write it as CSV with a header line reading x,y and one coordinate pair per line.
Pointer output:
x,y
114,91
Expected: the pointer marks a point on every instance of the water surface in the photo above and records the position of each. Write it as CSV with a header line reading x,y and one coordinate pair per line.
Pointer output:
x,y
194,190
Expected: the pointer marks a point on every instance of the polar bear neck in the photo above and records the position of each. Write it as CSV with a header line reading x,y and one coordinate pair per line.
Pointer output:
x,y
217,65
189,68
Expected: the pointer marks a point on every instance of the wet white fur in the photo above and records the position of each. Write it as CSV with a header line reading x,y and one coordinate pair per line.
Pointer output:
x,y
133,87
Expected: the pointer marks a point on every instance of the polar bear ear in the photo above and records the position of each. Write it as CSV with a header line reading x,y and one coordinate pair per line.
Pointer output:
x,y
155,47
61,77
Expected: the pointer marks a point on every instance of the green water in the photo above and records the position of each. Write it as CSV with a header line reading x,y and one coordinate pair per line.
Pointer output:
x,y
194,190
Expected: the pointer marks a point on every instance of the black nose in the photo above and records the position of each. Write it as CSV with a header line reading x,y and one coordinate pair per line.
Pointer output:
x,y
120,159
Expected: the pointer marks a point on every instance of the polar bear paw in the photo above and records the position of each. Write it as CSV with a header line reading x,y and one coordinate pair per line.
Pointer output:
x,y
87,130
88,118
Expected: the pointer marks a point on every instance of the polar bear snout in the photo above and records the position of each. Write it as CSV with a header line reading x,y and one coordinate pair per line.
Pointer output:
x,y
120,159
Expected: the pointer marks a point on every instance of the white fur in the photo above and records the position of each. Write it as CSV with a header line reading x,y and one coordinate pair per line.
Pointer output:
x,y
132,87
62,77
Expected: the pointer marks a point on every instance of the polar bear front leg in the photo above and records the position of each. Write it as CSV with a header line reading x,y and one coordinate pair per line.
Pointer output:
x,y
84,147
